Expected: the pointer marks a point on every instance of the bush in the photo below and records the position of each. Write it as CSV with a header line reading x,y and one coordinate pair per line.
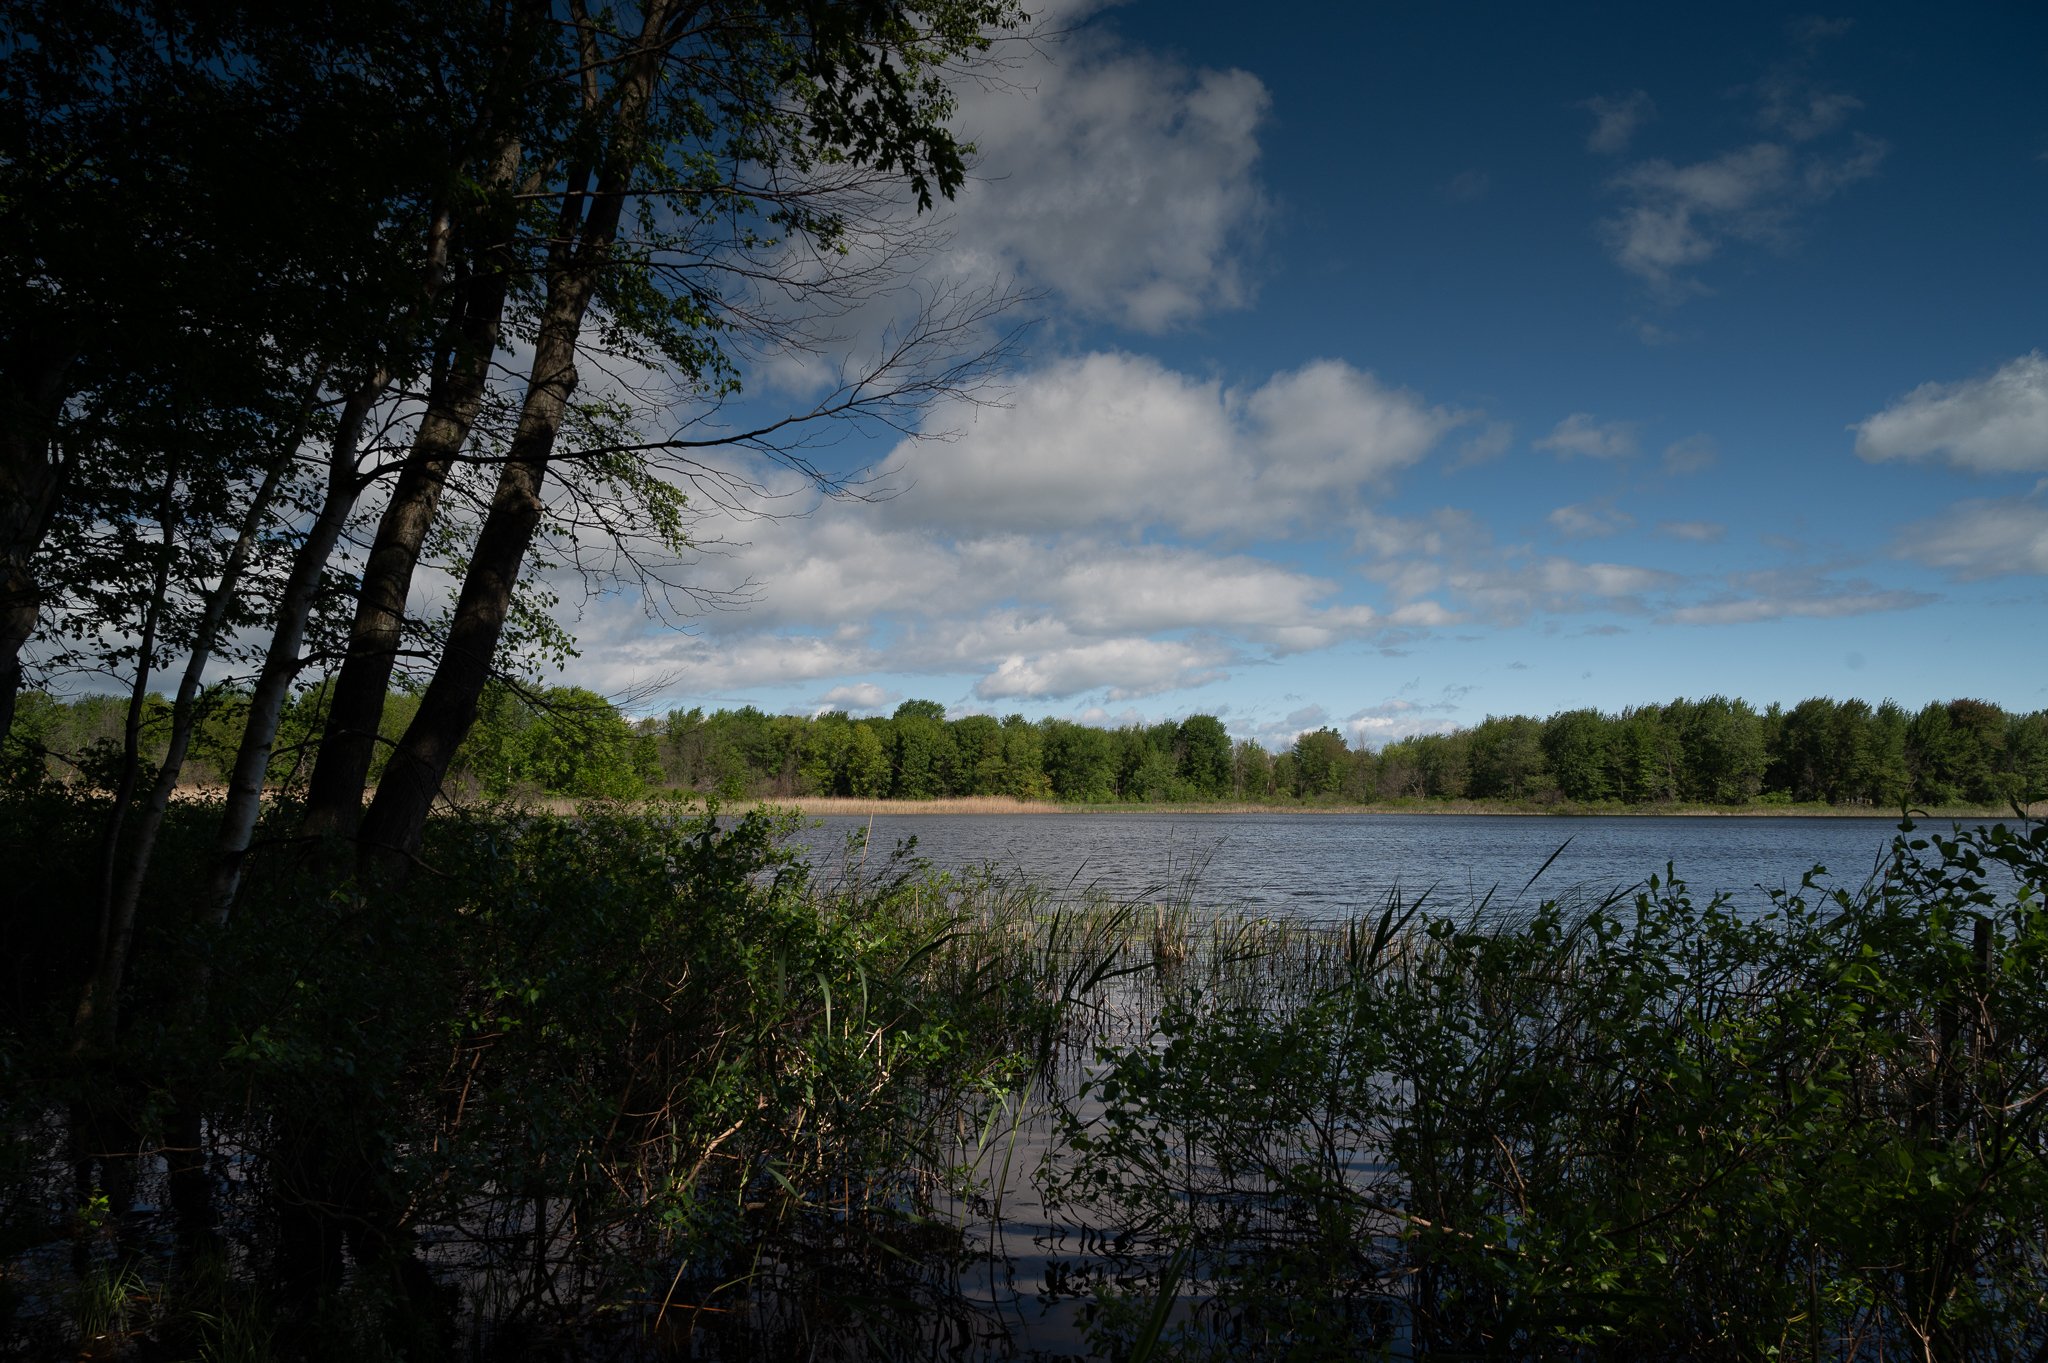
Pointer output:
x,y
1637,1130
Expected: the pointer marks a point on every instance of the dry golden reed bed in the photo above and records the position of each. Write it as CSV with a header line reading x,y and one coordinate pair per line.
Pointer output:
x,y
1007,804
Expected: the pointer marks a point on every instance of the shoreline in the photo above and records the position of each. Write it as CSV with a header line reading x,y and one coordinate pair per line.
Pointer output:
x,y
817,806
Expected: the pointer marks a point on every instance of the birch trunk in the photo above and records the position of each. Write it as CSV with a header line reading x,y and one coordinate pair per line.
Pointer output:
x,y
281,662
84,1026
99,1005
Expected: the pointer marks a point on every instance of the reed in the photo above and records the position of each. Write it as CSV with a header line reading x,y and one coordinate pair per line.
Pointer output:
x,y
637,1082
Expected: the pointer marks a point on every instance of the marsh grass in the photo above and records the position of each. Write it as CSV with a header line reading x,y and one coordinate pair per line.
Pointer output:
x,y
1624,1129
638,1084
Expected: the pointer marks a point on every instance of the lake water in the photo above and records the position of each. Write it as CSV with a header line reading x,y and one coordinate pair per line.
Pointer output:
x,y
1337,865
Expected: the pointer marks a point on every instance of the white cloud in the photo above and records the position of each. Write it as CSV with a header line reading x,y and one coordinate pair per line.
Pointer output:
x,y
1511,590
1578,521
1615,120
1699,532
1580,434
1804,592
1825,607
859,696
1119,439
1801,112
1980,539
1490,442
1397,718
1123,180
1677,216
1996,424
1694,454
1127,668
852,591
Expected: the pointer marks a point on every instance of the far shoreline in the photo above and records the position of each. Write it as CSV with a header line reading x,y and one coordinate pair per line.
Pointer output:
x,y
814,806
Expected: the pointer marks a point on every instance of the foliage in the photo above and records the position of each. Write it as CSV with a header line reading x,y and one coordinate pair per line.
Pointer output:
x,y
1632,1130
653,1035
565,741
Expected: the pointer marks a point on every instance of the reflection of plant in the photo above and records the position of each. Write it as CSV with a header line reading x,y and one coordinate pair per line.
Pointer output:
x,y
1647,1129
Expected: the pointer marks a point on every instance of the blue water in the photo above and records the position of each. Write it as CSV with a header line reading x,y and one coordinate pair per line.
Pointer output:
x,y
1334,865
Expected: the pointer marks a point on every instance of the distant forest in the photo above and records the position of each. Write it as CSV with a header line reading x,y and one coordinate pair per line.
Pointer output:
x,y
1716,751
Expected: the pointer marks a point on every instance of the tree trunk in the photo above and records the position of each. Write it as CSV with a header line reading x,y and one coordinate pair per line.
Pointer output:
x,y
94,1018
103,991
281,662
395,823
349,745
31,482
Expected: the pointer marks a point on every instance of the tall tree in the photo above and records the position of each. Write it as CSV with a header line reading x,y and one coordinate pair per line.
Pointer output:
x,y
669,103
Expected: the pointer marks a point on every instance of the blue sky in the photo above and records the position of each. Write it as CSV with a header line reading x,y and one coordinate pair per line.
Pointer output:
x,y
1398,365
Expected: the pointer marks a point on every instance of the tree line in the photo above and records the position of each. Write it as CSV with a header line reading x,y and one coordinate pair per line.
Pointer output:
x,y
1716,751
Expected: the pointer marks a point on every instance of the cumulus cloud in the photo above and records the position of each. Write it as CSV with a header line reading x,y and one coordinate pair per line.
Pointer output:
x,y
859,696
1125,181
1979,539
853,591
1995,424
1126,668
1578,522
1580,434
1120,439
1615,120
1560,584
1398,717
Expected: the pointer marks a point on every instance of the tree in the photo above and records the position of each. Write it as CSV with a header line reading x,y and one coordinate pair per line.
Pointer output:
x,y
1723,746
924,755
1251,770
1891,777
1647,756
1024,759
978,753
668,105
1443,763
1507,758
1205,757
1319,762
867,763
1080,762
1576,747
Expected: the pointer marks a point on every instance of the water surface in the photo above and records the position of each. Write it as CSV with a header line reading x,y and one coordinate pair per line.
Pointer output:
x,y
1334,865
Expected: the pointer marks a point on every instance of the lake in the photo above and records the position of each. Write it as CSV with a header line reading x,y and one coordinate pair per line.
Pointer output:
x,y
1337,865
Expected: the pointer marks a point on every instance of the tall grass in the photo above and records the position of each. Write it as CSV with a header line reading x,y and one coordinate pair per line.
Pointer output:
x,y
1620,1130
636,1083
